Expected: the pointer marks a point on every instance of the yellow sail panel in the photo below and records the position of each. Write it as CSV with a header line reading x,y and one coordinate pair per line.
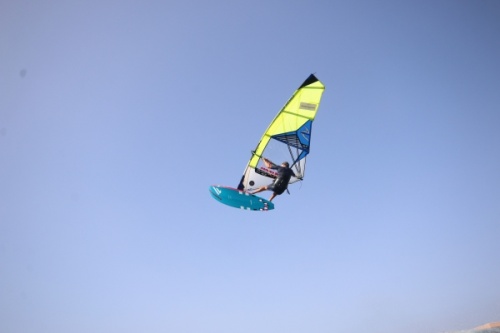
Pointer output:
x,y
305,102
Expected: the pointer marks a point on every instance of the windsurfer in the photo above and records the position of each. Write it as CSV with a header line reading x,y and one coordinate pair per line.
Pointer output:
x,y
280,184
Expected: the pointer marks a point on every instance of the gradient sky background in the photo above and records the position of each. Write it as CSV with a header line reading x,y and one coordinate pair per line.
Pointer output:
x,y
116,116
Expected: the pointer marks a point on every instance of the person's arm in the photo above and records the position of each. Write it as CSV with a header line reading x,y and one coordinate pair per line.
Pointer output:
x,y
268,163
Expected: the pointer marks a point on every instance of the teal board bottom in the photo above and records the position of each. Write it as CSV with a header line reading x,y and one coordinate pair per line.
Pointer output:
x,y
239,199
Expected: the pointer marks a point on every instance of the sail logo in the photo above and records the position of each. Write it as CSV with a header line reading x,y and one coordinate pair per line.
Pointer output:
x,y
307,106
269,172
306,134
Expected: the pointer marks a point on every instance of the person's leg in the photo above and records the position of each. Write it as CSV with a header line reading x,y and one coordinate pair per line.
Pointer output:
x,y
272,196
260,189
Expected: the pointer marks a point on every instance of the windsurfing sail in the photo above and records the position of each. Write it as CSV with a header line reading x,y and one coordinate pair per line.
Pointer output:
x,y
288,137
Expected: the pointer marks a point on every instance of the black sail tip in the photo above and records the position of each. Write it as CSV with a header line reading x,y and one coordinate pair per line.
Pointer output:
x,y
309,80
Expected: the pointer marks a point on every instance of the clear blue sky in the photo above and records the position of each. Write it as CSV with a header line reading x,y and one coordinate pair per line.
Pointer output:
x,y
116,116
